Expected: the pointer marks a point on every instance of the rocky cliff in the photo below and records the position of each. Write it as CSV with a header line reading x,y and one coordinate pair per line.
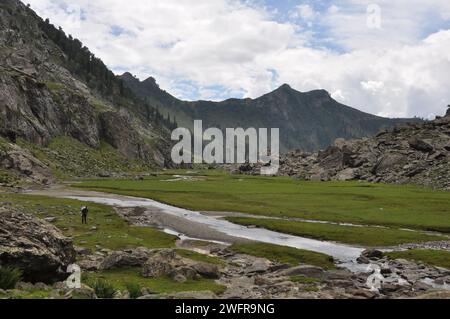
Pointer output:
x,y
408,154
51,86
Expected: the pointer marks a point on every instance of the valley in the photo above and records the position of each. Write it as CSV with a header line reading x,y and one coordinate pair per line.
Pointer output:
x,y
359,208
287,227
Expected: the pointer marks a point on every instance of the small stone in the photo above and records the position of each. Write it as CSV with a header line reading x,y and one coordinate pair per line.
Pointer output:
x,y
179,279
372,254
41,286
50,219
386,271
363,260
262,281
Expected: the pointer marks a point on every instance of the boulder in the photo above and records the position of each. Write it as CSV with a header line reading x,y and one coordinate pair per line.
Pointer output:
x,y
161,263
81,251
332,157
185,271
388,162
363,260
84,292
304,270
372,254
128,258
258,266
179,279
35,246
207,270
347,174
23,162
420,145
91,263
447,147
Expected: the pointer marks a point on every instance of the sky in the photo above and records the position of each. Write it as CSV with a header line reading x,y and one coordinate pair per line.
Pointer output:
x,y
389,58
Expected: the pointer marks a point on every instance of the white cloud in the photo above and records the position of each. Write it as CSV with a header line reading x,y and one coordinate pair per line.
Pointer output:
x,y
304,12
372,86
219,48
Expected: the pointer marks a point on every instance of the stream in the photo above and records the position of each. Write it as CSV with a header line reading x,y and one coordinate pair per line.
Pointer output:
x,y
345,255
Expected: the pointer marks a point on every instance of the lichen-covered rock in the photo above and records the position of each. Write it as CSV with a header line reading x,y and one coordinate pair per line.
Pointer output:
x,y
207,270
127,258
22,161
162,263
35,246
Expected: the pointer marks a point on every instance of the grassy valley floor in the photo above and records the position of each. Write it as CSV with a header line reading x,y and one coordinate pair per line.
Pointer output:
x,y
274,203
396,208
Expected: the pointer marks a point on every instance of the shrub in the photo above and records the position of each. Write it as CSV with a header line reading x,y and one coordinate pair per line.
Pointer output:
x,y
103,289
135,290
9,277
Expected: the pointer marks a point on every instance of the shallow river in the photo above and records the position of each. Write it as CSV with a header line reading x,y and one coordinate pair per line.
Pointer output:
x,y
344,254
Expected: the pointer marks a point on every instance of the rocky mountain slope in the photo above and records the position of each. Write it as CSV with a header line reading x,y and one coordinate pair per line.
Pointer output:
x,y
408,154
51,86
307,121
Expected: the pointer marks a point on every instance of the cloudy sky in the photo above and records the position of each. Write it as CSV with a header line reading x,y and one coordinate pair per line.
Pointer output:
x,y
390,58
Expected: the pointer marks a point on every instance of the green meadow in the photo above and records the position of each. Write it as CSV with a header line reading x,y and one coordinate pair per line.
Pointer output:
x,y
394,207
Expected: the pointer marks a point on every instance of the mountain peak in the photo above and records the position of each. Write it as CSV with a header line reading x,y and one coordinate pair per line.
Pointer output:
x,y
130,77
285,88
150,80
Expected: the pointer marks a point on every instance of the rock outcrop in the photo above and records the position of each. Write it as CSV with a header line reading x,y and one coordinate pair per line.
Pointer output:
x,y
155,263
408,154
22,161
34,246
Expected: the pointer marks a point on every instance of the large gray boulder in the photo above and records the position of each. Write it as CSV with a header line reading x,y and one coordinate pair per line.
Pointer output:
x,y
388,162
166,262
304,270
127,258
35,246
162,263
207,270
420,145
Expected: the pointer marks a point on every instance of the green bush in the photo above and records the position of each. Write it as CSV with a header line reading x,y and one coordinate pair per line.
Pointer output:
x,y
103,289
9,277
134,289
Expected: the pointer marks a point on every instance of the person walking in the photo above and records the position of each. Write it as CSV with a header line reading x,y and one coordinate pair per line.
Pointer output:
x,y
84,214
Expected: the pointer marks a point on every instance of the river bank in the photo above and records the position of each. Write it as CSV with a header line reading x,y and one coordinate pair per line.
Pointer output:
x,y
402,278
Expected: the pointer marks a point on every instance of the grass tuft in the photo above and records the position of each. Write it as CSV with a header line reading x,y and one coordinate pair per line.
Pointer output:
x,y
103,288
9,277
439,258
134,289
